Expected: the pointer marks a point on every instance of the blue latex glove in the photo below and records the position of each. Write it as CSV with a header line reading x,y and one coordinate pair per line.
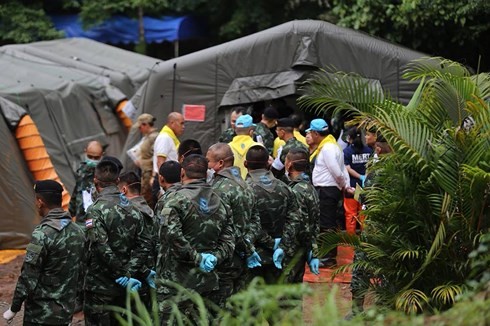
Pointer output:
x,y
362,177
254,260
123,281
277,241
208,262
278,257
150,279
133,283
314,266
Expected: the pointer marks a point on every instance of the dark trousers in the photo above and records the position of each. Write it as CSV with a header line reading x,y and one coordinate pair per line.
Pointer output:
x,y
96,310
329,203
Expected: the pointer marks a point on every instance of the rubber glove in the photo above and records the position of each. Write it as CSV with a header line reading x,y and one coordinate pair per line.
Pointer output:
x,y
9,315
362,177
208,262
123,281
150,279
278,257
254,260
313,263
134,284
277,241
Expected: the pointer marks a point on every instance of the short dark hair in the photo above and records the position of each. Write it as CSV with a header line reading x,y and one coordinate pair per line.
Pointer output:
x,y
51,199
297,120
257,157
132,181
195,166
299,159
239,110
188,147
106,173
170,171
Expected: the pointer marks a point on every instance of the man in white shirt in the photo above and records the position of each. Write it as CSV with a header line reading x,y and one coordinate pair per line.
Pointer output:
x,y
330,177
166,145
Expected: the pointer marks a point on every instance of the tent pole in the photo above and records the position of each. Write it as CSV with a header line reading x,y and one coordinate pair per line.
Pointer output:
x,y
173,87
176,48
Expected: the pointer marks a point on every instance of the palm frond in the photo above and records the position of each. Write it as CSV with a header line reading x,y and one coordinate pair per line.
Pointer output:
x,y
434,67
446,294
411,301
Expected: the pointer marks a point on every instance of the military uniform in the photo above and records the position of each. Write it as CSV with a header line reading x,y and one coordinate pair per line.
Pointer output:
x,y
279,217
194,221
84,182
230,186
227,135
48,280
117,245
309,204
266,136
146,166
290,144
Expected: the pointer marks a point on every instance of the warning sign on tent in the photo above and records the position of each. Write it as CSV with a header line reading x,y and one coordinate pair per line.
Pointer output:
x,y
194,112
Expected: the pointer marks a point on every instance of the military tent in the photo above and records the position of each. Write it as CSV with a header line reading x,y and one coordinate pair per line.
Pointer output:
x,y
264,66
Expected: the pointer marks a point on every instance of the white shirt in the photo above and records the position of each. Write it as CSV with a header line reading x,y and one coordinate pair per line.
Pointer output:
x,y
329,170
164,146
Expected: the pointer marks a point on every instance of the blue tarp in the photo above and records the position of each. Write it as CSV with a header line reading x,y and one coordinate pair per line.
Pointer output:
x,y
121,29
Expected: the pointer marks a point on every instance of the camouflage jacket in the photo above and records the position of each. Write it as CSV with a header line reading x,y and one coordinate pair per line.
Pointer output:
x,y
49,276
85,181
227,135
291,143
235,192
266,135
309,204
117,244
279,214
194,221
151,228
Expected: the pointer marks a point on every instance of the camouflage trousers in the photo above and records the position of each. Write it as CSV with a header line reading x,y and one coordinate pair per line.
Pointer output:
x,y
96,310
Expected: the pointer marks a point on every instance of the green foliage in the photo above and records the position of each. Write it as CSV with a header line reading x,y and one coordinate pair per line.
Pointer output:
x,y
432,26
429,201
23,23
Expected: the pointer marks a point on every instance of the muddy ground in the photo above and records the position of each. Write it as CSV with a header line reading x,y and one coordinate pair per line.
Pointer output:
x,y
322,286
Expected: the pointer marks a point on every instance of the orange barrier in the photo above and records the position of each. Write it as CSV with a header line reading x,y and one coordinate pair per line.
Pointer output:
x,y
126,121
35,154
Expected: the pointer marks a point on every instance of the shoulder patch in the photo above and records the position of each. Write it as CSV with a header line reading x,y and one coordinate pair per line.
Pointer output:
x,y
32,253
89,223
203,205
265,180
123,200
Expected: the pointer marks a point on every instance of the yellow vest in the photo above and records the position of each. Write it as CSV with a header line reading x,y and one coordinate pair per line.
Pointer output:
x,y
171,134
240,145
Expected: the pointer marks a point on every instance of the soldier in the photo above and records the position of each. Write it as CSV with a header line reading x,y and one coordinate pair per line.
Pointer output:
x,y
130,186
279,213
285,131
48,280
117,247
169,180
296,168
263,133
227,135
196,234
229,185
188,147
145,125
81,197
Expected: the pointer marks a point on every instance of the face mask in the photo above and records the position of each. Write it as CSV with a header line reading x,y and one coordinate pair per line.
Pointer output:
x,y
210,175
91,163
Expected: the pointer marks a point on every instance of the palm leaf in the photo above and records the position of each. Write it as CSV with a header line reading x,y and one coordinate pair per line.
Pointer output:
x,y
446,294
411,301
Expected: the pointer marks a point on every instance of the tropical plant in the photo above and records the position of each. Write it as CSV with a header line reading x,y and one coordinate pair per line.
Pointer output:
x,y
428,205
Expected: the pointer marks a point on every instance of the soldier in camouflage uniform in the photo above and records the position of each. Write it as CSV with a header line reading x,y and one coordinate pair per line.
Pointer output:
x,y
285,131
130,186
145,125
306,247
48,280
279,213
229,185
227,135
117,248
196,234
85,181
263,133
169,180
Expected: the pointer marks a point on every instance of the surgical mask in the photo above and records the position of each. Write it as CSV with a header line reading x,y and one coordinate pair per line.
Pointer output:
x,y
210,175
91,163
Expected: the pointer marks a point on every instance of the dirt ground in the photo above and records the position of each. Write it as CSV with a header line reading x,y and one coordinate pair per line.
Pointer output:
x,y
322,285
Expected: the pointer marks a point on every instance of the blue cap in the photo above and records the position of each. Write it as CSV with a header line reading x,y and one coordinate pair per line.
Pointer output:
x,y
244,121
317,125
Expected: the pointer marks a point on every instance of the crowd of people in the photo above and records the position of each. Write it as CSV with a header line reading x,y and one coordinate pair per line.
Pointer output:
x,y
254,203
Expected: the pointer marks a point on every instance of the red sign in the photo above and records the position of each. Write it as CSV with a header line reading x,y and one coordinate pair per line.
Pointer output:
x,y
193,112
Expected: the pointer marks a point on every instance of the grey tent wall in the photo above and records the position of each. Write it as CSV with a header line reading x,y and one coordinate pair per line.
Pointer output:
x,y
281,52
